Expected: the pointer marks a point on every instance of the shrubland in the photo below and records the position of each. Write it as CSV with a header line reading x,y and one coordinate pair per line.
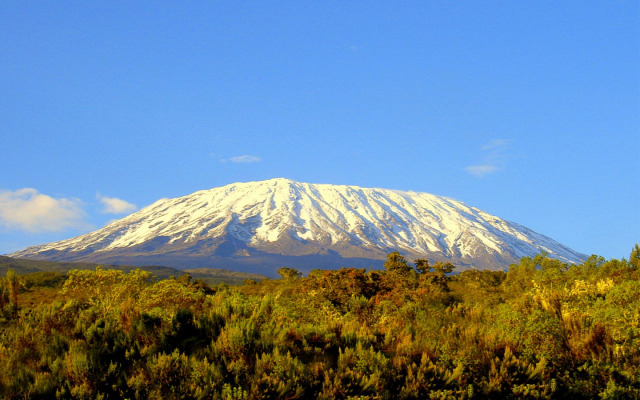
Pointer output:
x,y
544,329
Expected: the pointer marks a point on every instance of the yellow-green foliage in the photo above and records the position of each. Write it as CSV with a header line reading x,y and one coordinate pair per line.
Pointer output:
x,y
542,330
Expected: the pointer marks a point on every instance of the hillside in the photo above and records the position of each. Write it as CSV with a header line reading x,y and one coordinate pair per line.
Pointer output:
x,y
209,275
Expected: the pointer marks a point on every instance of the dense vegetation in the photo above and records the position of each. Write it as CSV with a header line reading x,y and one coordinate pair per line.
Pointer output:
x,y
544,329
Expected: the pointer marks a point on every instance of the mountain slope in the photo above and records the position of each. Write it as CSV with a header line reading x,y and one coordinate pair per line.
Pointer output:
x,y
260,225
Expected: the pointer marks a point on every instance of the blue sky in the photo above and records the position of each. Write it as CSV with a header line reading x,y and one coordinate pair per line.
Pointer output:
x,y
527,110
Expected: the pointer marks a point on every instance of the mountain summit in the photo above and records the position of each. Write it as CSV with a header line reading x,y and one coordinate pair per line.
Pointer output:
x,y
258,226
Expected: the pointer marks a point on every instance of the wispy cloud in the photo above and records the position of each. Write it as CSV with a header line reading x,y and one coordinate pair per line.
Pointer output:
x,y
481,170
494,158
496,144
31,211
113,205
244,159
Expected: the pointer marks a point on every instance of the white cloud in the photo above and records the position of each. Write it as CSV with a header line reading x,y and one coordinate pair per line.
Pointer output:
x,y
244,159
31,211
495,144
114,205
494,156
481,170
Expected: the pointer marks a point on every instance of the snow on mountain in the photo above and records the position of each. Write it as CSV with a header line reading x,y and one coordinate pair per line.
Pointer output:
x,y
283,222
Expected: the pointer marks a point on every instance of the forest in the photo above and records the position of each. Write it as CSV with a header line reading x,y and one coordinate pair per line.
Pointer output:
x,y
413,330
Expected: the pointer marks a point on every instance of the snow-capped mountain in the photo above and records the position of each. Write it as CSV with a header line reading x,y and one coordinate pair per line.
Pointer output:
x,y
259,226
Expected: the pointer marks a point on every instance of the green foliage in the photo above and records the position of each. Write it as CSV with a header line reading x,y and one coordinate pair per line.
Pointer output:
x,y
634,259
289,273
422,265
43,279
9,294
542,330
105,288
397,264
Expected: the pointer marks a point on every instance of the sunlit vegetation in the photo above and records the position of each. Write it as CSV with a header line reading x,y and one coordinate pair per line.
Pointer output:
x,y
543,329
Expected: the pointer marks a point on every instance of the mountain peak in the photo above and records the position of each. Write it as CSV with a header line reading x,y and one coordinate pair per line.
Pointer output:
x,y
265,224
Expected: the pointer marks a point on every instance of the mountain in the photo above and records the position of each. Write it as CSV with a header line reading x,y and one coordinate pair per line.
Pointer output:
x,y
259,226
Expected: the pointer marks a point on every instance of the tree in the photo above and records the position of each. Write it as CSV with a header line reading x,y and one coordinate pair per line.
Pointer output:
x,y
422,265
440,271
13,282
634,259
289,274
443,268
396,263
185,279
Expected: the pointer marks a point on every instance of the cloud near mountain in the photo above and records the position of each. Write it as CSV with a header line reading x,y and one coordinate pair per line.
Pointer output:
x,y
113,205
494,158
31,211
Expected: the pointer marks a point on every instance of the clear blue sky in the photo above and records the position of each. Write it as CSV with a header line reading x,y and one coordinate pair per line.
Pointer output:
x,y
528,110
